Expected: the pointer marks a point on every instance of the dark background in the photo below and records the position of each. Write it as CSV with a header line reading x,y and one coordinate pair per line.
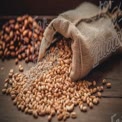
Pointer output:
x,y
40,7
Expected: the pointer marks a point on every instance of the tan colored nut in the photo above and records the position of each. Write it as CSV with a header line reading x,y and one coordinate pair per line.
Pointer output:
x,y
81,107
5,85
13,97
108,85
14,101
11,71
2,68
60,117
26,109
94,90
84,109
66,115
52,112
42,112
10,75
91,105
10,81
35,114
73,115
99,94
94,83
3,91
84,99
6,80
70,108
21,69
101,88
95,101
49,118
16,61
104,81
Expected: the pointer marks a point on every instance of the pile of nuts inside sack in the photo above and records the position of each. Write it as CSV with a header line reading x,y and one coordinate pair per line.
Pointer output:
x,y
47,89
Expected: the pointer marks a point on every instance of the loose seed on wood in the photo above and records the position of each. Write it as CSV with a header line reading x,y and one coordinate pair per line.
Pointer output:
x,y
60,117
73,115
99,94
91,105
49,118
108,85
70,107
35,114
95,101
84,109
3,91
104,81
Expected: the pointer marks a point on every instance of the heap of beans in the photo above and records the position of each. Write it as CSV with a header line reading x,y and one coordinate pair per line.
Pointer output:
x,y
20,38
47,89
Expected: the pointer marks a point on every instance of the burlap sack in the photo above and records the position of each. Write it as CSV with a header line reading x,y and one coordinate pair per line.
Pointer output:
x,y
93,34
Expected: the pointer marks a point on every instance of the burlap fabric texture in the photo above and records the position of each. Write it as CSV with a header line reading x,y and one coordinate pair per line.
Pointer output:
x,y
93,37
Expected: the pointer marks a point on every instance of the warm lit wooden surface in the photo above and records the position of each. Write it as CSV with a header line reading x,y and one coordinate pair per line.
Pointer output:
x,y
110,104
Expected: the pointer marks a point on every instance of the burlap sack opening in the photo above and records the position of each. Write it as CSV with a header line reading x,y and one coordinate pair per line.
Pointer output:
x,y
93,34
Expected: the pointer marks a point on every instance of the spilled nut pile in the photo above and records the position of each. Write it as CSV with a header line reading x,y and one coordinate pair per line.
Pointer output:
x,y
47,89
20,38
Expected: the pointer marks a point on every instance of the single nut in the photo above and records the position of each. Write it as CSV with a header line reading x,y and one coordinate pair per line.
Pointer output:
x,y
6,80
49,118
101,88
81,107
5,85
84,109
3,91
99,94
108,85
35,114
73,115
53,112
16,61
10,75
11,71
94,83
91,105
94,90
70,108
60,117
21,69
10,81
66,115
104,81
95,101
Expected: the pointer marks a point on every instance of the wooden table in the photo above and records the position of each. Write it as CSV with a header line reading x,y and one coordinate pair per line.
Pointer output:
x,y
110,105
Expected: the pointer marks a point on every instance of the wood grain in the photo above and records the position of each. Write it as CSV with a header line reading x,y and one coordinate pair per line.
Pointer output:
x,y
110,104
